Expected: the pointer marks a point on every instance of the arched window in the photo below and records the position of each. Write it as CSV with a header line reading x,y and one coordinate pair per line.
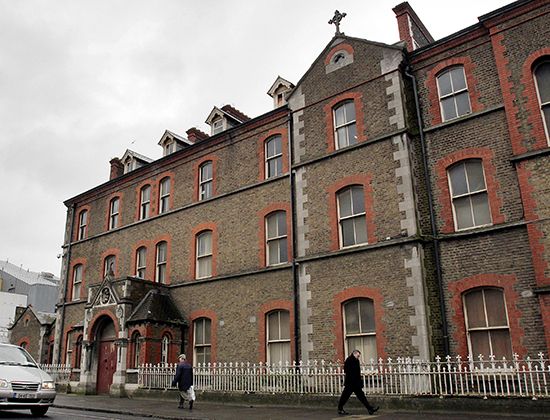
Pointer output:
x,y
77,281
487,323
113,213
204,255
359,328
273,156
542,77
145,202
469,194
345,130
206,180
453,93
165,350
278,337
78,352
161,258
202,345
109,265
164,195
82,224
276,238
352,222
136,349
141,262
24,344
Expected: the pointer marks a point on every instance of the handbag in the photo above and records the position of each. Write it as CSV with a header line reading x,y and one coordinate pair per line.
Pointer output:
x,y
191,393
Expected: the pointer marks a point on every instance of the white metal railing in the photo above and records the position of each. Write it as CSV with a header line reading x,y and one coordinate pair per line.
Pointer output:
x,y
59,373
449,376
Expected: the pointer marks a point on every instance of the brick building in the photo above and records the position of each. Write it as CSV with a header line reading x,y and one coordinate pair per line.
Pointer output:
x,y
394,200
34,331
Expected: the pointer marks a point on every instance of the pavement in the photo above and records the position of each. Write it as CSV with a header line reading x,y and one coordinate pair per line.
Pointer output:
x,y
163,409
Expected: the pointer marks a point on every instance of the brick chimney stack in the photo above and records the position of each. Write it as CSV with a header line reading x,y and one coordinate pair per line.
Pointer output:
x,y
195,135
117,169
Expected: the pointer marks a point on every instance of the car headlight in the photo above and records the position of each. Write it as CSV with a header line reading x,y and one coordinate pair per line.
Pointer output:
x,y
4,384
48,385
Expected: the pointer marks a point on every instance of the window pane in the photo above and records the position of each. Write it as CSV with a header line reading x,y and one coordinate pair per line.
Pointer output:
x,y
206,171
279,353
273,326
444,83
463,212
463,103
482,214
502,347
281,223
273,252
161,252
368,351
546,111
278,166
474,309
352,134
207,327
542,74
272,168
360,229
496,309
474,169
358,200
283,252
205,243
272,226
458,180
480,343
350,111
339,115
205,267
448,106
342,139
348,237
351,312
344,202
145,194
284,317
457,75
271,148
366,309
199,332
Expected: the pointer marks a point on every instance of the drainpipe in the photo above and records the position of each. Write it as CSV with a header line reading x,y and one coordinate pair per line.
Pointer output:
x,y
67,259
433,225
295,280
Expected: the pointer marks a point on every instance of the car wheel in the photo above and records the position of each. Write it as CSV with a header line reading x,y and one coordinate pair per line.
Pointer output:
x,y
39,411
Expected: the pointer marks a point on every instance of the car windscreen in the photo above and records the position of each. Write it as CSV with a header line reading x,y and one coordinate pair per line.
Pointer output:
x,y
15,356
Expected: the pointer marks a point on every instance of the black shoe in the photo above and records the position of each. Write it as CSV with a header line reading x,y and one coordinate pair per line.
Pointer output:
x,y
343,412
373,410
190,405
180,406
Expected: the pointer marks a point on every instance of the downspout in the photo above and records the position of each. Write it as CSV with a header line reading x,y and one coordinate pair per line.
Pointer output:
x,y
67,259
433,225
295,280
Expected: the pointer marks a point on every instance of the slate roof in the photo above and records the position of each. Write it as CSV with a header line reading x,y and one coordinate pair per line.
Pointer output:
x,y
29,277
157,306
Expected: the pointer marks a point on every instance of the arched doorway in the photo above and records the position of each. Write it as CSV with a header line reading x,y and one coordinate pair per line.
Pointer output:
x,y
106,354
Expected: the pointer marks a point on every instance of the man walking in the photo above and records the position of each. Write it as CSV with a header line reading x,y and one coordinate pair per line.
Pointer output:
x,y
353,383
184,380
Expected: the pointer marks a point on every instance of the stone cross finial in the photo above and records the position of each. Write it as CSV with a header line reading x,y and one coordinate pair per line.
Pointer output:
x,y
336,20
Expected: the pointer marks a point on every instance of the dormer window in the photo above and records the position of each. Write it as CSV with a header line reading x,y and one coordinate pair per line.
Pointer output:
x,y
132,161
221,119
217,125
169,148
128,166
172,142
279,91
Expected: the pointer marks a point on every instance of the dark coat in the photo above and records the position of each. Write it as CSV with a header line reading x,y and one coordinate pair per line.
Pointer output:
x,y
184,376
352,369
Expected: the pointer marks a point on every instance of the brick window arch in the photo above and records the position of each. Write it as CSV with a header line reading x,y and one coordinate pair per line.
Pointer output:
x,y
271,311
205,251
114,213
71,293
165,191
204,345
273,153
206,174
334,123
82,223
78,351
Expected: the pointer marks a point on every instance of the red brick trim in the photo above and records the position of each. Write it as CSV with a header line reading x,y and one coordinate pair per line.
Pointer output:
x,y
76,363
471,81
78,211
262,214
111,197
332,191
359,117
203,313
342,46
196,171
168,239
75,262
356,293
160,178
444,195
535,121
544,301
404,29
96,320
149,259
26,340
265,309
152,198
196,231
261,150
504,282
131,346
105,254
173,350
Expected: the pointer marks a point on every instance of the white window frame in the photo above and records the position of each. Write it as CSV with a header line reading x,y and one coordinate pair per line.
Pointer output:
x,y
217,125
489,329
453,93
348,350
199,257
542,105
164,194
141,262
352,216
161,265
278,238
468,194
136,337
346,124
77,281
203,182
276,157
144,202
204,345
268,342
114,212
165,349
82,224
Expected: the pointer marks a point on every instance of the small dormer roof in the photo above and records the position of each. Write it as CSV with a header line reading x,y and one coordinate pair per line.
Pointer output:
x,y
227,111
278,82
136,156
176,137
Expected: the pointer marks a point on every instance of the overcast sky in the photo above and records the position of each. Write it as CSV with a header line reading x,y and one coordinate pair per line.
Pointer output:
x,y
83,80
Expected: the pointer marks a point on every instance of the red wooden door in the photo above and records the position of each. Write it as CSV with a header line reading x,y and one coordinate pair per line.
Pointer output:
x,y
106,366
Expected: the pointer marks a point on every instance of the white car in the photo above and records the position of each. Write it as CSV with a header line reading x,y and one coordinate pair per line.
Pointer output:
x,y
22,383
